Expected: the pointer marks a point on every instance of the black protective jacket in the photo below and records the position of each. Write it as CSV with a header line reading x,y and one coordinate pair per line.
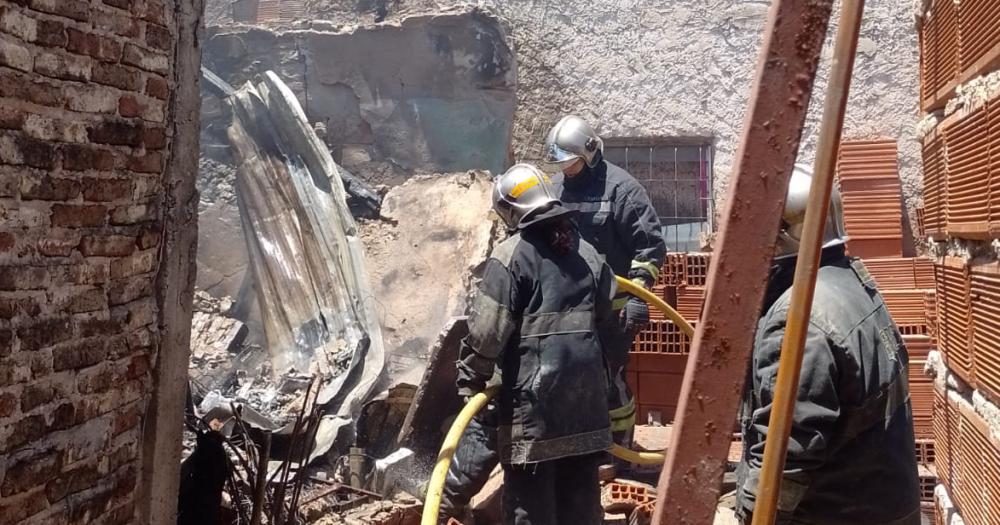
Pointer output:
x,y
617,217
538,315
851,455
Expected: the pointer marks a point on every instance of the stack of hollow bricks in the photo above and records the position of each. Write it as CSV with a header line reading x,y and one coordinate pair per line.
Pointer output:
x,y
659,352
960,41
868,175
83,98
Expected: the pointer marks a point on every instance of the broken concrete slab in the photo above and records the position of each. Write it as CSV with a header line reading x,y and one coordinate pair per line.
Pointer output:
x,y
436,397
393,472
435,232
214,333
215,343
486,506
382,418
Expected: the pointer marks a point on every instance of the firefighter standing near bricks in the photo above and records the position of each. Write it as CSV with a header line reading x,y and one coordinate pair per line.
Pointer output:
x,y
617,217
540,316
851,454
614,214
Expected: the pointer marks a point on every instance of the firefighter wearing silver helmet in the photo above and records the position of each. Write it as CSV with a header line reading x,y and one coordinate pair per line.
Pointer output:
x,y
538,317
794,216
524,195
616,216
850,458
572,139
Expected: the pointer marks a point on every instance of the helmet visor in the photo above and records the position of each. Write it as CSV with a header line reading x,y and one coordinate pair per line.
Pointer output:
x,y
556,156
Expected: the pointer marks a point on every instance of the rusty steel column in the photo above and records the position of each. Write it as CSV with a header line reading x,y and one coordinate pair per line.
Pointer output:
x,y
713,381
786,388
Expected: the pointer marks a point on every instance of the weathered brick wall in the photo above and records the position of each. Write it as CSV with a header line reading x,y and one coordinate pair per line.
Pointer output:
x,y
84,140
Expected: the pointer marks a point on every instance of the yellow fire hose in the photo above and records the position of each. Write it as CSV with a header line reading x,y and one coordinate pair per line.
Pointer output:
x,y
630,287
435,488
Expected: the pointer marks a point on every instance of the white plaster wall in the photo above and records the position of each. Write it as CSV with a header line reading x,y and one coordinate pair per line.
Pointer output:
x,y
685,67
677,68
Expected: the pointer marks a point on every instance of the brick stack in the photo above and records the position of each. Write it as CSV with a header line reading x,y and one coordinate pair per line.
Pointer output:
x,y
868,171
907,285
959,42
659,352
869,183
83,98
970,322
968,459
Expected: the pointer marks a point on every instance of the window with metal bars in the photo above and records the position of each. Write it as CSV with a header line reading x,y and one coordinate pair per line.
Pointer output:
x,y
677,174
264,11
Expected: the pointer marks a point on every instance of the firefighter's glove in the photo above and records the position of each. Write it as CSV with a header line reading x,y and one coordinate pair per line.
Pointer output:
x,y
636,313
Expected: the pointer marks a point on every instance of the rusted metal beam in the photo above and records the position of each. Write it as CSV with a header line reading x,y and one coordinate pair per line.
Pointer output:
x,y
713,382
804,286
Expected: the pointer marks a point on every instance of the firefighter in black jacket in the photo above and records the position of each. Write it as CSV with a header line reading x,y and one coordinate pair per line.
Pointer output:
x,y
541,311
614,214
617,217
851,455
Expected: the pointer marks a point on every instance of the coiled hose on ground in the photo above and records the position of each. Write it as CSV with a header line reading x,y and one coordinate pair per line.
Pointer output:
x,y
435,488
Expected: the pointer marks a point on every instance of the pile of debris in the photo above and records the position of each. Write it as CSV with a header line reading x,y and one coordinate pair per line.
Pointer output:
x,y
226,367
283,422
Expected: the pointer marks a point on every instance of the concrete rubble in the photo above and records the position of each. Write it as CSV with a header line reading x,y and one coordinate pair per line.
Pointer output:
x,y
433,234
215,340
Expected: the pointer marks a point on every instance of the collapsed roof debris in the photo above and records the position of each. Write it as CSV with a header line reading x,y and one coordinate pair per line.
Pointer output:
x,y
307,263
302,319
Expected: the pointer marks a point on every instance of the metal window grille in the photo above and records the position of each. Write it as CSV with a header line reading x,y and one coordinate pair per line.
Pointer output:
x,y
677,174
280,10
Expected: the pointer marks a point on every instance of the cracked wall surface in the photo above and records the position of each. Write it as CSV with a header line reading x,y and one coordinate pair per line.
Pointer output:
x,y
432,92
675,68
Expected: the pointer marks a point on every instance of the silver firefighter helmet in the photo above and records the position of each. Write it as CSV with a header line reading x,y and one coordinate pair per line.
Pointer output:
x,y
570,139
794,216
524,195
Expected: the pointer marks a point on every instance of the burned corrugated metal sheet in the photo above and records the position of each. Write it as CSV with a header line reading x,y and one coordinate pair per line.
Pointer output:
x,y
307,262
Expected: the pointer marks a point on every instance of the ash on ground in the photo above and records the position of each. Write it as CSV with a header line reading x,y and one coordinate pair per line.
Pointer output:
x,y
216,181
226,368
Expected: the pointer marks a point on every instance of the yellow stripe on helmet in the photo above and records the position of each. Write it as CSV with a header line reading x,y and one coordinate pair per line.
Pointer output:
x,y
524,186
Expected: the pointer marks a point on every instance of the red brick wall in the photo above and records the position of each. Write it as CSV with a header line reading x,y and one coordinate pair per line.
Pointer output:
x,y
84,87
